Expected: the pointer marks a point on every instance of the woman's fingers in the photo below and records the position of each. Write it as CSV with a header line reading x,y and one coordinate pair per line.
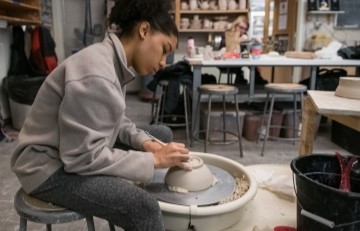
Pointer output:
x,y
173,154
177,147
181,155
185,165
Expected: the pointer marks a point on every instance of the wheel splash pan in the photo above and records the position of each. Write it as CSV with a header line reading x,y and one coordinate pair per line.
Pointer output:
x,y
223,188
211,217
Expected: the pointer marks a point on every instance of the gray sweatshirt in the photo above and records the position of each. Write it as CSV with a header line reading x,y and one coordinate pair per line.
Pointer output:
x,y
77,115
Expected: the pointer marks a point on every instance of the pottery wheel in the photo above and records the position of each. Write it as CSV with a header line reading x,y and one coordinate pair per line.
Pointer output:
x,y
224,187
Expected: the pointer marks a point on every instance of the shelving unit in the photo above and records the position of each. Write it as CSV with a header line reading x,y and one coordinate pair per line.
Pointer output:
x,y
25,12
208,14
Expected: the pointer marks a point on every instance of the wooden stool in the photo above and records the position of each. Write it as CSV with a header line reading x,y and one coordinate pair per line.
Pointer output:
x,y
159,110
219,90
35,210
280,88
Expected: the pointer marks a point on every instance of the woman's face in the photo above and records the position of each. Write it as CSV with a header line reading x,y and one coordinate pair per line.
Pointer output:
x,y
150,54
242,27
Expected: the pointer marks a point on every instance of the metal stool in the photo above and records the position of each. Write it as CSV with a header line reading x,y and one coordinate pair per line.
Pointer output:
x,y
159,111
35,210
220,90
280,88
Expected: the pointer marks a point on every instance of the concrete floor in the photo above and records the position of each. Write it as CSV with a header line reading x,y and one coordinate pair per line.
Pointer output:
x,y
277,152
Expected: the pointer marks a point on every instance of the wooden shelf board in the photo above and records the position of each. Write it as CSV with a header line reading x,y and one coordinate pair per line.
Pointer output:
x,y
213,11
201,30
8,4
325,12
19,21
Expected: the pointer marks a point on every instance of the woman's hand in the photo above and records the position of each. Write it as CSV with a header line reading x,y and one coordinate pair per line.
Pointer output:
x,y
244,38
173,154
152,146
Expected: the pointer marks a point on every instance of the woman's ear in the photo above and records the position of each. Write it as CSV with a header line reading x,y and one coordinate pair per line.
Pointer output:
x,y
144,30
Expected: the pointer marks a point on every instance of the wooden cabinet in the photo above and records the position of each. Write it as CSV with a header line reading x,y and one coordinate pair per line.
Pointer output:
x,y
25,12
211,16
285,12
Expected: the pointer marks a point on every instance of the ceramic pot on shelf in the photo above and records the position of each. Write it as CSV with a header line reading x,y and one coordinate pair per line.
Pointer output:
x,y
207,24
232,5
242,4
204,4
222,4
212,5
184,6
193,4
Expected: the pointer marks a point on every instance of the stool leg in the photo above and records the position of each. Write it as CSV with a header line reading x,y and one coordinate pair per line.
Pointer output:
x,y
219,79
228,75
48,227
268,123
23,224
153,106
111,227
263,117
156,120
90,223
208,123
224,119
301,107
164,102
295,119
238,125
186,114
197,118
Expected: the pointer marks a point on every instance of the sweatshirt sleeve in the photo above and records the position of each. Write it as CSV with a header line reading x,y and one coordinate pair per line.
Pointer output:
x,y
130,135
90,111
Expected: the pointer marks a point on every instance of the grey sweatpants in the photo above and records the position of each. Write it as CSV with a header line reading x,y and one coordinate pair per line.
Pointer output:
x,y
112,198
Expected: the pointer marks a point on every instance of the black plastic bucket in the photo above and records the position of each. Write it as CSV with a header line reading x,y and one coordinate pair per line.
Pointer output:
x,y
321,206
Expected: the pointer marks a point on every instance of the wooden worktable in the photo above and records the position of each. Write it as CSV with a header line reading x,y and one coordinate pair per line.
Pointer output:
x,y
343,110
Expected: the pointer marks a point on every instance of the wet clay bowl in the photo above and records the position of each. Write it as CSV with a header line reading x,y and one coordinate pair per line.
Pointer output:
x,y
199,178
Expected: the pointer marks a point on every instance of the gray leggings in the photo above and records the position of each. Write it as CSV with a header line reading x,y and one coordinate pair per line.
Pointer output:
x,y
111,198
108,197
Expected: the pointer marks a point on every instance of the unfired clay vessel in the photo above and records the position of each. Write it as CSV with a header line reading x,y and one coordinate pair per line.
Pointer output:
x,y
199,178
348,87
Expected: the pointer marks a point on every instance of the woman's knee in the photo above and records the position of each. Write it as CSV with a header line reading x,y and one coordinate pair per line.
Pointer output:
x,y
160,131
149,205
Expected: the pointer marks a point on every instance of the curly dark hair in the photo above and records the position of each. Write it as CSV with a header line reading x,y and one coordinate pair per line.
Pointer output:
x,y
127,13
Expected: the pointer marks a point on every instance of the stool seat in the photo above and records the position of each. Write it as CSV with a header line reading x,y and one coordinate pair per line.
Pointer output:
x,y
220,89
285,87
35,210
